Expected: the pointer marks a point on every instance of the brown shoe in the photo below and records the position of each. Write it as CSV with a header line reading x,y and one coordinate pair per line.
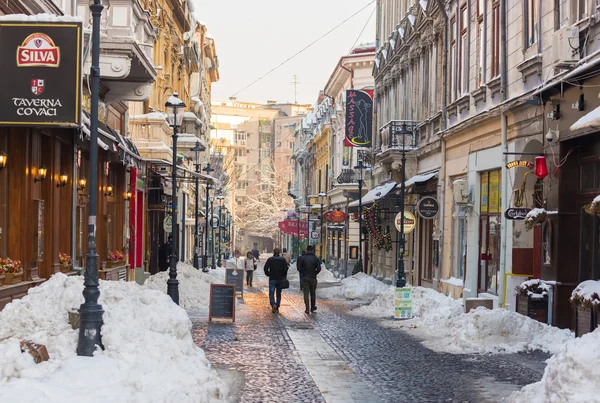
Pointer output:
x,y
274,308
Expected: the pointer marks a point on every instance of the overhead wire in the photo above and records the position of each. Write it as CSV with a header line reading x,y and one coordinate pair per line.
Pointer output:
x,y
304,48
362,30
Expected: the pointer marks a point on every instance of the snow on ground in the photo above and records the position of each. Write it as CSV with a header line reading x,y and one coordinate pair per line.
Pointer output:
x,y
439,320
571,375
194,285
149,353
361,286
325,276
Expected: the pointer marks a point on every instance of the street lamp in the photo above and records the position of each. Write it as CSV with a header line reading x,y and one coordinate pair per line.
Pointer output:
x,y
173,106
197,149
220,199
208,170
405,135
90,312
212,235
360,167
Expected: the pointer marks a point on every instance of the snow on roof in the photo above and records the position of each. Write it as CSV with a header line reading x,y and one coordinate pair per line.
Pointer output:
x,y
175,101
411,19
423,4
588,291
401,32
590,120
151,115
40,18
375,194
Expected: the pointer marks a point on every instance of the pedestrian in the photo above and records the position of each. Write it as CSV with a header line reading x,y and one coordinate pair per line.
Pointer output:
x,y
250,266
300,274
276,269
309,266
236,262
164,255
286,256
256,254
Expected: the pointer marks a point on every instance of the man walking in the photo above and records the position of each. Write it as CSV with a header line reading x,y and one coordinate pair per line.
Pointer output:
x,y
309,266
164,255
276,269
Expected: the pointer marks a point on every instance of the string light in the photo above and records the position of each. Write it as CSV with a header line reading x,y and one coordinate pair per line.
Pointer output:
x,y
373,225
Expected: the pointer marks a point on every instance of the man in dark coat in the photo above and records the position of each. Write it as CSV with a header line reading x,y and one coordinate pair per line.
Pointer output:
x,y
309,266
164,255
276,269
256,254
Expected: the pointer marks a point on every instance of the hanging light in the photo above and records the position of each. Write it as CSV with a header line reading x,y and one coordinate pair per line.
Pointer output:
x,y
81,183
541,169
3,159
63,178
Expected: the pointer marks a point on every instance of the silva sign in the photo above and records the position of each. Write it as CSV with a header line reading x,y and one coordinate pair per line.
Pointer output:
x,y
42,80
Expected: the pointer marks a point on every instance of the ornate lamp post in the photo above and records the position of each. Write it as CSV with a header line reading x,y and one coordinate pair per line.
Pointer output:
x,y
175,118
220,199
212,233
208,170
402,136
360,167
90,311
197,149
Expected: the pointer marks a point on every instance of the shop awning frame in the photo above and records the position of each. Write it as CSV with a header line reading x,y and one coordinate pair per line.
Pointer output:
x,y
378,192
203,177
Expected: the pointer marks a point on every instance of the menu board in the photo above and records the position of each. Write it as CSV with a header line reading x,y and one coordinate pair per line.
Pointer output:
x,y
235,276
222,302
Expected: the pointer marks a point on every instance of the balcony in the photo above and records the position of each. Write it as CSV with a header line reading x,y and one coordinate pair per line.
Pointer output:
x,y
393,141
127,35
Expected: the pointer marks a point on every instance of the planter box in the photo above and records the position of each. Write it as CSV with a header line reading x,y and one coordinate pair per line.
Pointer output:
x,y
65,268
1,280
13,278
110,264
535,308
586,320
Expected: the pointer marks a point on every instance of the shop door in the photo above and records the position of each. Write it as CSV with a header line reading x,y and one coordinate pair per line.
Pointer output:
x,y
489,247
589,247
425,249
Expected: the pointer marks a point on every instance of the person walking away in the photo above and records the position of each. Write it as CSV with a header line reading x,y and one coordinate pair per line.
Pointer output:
x,y
276,269
300,274
164,255
250,266
309,266
286,256
256,254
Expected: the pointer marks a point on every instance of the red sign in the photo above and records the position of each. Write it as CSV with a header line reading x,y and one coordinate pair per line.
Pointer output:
x,y
291,227
335,216
38,50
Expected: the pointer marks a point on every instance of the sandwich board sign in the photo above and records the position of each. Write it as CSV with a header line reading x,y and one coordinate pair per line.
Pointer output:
x,y
222,302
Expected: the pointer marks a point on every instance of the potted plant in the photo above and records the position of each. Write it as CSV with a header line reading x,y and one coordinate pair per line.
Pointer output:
x,y
532,299
115,259
66,262
535,217
585,299
594,207
12,269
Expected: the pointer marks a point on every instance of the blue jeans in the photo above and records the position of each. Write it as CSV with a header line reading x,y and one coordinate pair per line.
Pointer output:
x,y
274,287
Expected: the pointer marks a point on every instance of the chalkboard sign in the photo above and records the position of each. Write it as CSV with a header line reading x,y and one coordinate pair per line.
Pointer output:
x,y
235,276
222,302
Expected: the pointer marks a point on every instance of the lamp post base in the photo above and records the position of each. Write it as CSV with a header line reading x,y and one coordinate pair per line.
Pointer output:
x,y
173,289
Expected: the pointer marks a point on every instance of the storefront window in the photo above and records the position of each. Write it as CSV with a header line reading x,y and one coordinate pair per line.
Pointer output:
x,y
459,241
489,231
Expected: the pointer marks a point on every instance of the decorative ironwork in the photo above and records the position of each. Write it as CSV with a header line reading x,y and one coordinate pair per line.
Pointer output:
x,y
347,176
392,134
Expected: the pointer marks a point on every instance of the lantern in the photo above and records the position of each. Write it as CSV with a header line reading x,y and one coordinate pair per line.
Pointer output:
x,y
541,169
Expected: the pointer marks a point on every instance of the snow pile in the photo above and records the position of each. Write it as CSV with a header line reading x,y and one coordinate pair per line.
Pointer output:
x,y
571,375
360,286
439,320
150,355
457,282
587,293
194,285
325,276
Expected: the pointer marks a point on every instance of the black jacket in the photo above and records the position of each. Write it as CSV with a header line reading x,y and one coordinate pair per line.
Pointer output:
x,y
164,256
276,268
309,265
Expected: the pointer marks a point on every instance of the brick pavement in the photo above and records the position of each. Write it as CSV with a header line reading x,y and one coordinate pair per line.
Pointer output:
x,y
336,357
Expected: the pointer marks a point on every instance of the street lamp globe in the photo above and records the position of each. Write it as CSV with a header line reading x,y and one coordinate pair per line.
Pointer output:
x,y
174,113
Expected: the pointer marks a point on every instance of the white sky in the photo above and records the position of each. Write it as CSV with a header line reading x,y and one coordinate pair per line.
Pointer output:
x,y
252,37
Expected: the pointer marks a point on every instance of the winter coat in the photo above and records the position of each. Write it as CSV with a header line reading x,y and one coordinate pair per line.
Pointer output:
x,y
276,268
309,265
250,264
164,256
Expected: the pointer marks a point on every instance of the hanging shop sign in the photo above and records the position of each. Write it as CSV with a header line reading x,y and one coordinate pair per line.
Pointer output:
x,y
410,222
516,213
428,207
335,216
290,227
168,224
520,164
359,118
40,76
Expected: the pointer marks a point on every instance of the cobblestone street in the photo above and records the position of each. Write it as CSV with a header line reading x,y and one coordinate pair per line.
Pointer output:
x,y
334,356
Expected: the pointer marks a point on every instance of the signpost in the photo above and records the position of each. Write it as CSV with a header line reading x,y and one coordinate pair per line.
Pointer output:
x,y
235,277
403,303
222,302
168,224
428,207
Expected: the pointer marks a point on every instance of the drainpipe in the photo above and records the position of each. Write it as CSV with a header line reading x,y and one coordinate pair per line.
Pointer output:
x,y
504,148
442,176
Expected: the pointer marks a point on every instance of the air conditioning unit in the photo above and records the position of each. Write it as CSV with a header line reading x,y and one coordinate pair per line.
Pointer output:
x,y
164,169
460,192
565,46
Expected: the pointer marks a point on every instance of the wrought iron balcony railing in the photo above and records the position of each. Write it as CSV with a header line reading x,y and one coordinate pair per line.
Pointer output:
x,y
399,135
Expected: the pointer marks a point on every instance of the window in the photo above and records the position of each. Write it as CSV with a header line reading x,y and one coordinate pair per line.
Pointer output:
x,y
581,10
532,18
480,48
453,60
241,135
464,51
495,39
489,231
